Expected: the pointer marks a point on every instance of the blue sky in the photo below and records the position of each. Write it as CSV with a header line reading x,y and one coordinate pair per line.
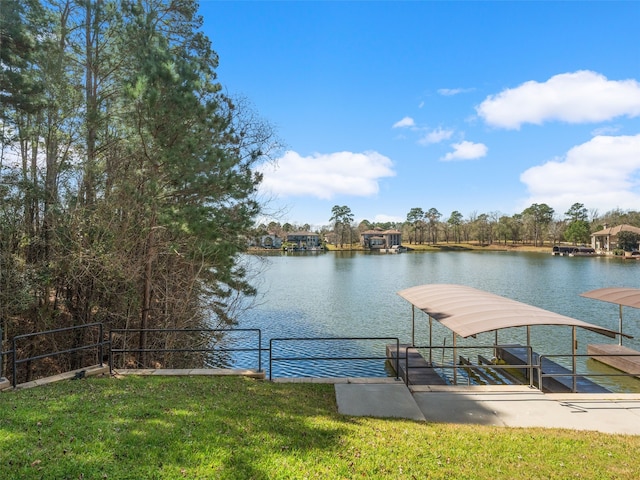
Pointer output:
x,y
473,106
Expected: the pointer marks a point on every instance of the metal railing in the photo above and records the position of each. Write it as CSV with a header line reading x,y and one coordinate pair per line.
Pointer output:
x,y
324,358
99,345
116,345
575,377
253,344
210,349
461,367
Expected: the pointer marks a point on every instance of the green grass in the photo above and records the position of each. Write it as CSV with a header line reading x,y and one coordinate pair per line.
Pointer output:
x,y
236,428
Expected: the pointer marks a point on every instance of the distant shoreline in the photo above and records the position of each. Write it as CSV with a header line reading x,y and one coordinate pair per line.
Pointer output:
x,y
439,247
494,247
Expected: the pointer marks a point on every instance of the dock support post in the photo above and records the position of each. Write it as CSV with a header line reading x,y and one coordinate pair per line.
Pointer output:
x,y
530,357
455,364
574,365
413,325
430,339
620,328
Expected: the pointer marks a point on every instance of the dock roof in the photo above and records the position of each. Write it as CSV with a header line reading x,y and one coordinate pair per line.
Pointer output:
x,y
628,297
468,311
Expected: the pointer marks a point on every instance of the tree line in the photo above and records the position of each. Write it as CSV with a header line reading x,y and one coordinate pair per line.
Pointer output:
x,y
537,225
126,173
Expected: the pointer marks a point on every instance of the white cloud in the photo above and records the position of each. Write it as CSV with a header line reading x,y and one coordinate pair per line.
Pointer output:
x,y
580,97
602,173
448,92
466,151
606,130
404,123
436,136
383,218
326,175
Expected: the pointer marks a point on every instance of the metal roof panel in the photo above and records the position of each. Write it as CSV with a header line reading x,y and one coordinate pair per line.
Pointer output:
x,y
629,297
468,311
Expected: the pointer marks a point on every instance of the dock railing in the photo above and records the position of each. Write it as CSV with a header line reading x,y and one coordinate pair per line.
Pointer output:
x,y
313,356
482,365
209,348
575,375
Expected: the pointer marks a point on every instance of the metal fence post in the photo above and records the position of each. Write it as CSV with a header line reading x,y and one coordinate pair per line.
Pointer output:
x,y
1,353
397,359
270,359
259,350
14,380
100,344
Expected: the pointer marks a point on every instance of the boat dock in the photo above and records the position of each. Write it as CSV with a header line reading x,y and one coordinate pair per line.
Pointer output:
x,y
518,355
420,371
621,358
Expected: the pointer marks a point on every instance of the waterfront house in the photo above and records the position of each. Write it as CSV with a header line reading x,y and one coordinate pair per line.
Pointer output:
x,y
304,240
606,240
377,238
270,241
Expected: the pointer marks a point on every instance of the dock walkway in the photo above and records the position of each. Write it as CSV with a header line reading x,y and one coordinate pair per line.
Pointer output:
x,y
420,371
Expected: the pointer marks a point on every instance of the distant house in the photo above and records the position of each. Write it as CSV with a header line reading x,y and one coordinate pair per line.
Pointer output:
x,y
606,240
304,239
270,241
377,238
331,238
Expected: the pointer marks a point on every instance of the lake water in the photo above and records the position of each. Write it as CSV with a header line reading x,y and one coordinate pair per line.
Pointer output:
x,y
353,294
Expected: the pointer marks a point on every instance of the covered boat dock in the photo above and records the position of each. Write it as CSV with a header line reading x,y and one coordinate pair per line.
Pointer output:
x,y
617,356
467,312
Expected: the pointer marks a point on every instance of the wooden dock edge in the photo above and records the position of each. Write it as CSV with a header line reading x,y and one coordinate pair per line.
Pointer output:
x,y
420,371
621,359
517,354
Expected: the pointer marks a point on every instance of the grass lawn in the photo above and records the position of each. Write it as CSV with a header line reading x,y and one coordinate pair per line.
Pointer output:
x,y
237,428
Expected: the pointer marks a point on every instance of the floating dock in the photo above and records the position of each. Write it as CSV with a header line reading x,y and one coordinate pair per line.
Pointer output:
x,y
517,355
622,358
420,371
